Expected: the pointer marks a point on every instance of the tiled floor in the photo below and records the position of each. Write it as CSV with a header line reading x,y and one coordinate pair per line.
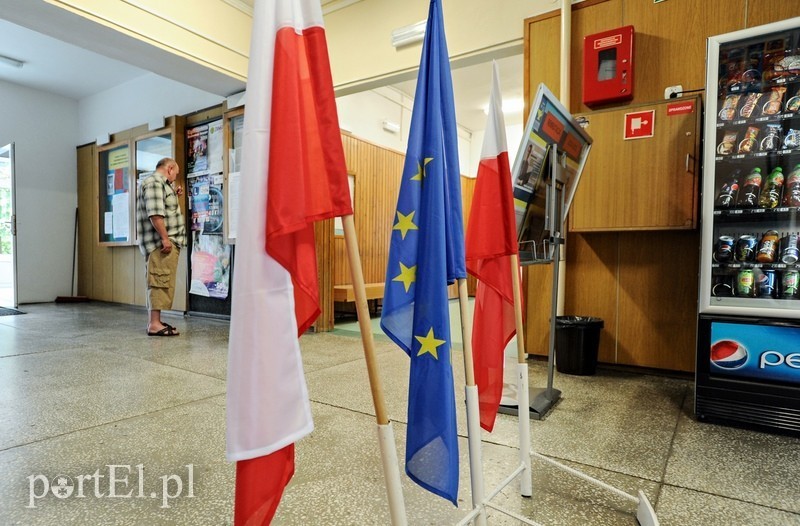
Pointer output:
x,y
83,388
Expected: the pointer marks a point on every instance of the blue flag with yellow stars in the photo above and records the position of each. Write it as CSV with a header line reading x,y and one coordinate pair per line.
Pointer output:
x,y
425,255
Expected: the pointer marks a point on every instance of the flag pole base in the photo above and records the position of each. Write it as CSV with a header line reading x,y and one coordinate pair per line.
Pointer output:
x,y
541,403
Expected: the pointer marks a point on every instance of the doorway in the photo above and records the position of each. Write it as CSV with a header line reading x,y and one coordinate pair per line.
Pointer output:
x,y
8,229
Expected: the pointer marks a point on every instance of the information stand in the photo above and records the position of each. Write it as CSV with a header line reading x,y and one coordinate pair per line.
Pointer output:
x,y
553,140
545,175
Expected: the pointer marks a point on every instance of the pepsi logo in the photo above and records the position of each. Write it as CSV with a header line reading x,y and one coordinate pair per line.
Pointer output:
x,y
728,354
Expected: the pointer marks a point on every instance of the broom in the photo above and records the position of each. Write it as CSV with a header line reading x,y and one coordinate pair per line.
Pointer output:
x,y
72,298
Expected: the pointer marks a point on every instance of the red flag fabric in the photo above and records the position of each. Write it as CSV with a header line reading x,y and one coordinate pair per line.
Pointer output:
x,y
491,240
308,176
259,486
293,173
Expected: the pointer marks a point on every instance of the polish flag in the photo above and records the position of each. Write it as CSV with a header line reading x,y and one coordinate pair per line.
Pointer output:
x,y
490,242
293,173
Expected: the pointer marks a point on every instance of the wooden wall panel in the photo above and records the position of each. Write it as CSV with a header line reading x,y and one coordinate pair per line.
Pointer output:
x,y
86,241
377,172
102,273
542,57
586,21
543,54
323,234
538,290
124,262
671,41
765,11
658,299
467,192
656,285
139,280
594,257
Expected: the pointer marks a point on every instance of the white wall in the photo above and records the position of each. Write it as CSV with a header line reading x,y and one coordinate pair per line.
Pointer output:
x,y
362,115
44,129
137,102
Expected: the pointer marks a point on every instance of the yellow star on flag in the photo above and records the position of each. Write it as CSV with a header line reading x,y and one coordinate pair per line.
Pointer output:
x,y
429,344
405,223
421,169
407,276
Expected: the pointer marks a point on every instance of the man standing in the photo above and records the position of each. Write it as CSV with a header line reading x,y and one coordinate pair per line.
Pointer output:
x,y
162,233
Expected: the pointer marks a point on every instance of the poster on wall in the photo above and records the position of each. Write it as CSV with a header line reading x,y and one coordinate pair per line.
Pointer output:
x,y
215,146
550,127
206,204
210,262
116,219
197,150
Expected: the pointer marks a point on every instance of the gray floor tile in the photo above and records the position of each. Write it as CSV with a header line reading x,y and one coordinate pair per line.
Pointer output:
x,y
164,443
682,507
616,421
83,386
740,464
48,394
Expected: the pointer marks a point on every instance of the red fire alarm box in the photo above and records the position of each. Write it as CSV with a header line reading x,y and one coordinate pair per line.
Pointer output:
x,y
608,66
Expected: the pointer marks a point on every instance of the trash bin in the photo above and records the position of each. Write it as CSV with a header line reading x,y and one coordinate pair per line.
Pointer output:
x,y
577,341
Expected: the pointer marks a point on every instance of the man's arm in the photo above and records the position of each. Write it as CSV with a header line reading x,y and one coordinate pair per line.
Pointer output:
x,y
158,224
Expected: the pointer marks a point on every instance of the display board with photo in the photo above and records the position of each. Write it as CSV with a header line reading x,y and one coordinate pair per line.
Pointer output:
x,y
550,127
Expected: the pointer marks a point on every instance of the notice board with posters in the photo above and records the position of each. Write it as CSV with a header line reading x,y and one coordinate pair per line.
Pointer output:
x,y
549,127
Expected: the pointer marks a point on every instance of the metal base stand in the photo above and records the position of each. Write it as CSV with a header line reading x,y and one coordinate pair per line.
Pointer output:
x,y
541,403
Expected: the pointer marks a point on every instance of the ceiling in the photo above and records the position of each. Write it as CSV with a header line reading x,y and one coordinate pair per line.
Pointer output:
x,y
58,67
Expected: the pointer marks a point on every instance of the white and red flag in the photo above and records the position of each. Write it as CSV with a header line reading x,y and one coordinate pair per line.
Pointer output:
x,y
491,240
293,173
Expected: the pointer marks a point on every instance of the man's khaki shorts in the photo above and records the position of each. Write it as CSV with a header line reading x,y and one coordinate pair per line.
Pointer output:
x,y
161,277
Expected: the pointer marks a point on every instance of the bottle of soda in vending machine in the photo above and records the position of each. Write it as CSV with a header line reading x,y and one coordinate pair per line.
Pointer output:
x,y
729,192
773,188
791,196
768,248
748,195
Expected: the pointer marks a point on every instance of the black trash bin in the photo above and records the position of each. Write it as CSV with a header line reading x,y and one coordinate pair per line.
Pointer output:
x,y
577,341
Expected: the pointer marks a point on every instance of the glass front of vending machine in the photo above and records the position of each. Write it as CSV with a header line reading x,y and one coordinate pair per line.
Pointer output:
x,y
748,352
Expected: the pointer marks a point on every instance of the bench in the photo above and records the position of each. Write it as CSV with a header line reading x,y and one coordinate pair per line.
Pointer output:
x,y
346,293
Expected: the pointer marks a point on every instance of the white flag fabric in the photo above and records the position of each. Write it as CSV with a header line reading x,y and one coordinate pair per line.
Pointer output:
x,y
268,405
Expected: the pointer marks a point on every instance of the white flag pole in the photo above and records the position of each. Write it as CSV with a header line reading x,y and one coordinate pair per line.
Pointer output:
x,y
473,415
523,402
391,471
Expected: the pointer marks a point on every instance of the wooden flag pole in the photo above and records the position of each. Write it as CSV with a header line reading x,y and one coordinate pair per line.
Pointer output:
x,y
473,413
523,397
391,471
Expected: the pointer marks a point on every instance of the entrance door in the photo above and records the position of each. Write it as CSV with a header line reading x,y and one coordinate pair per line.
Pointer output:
x,y
8,229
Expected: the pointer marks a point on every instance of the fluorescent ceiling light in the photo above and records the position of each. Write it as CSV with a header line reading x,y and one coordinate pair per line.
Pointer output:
x,y
407,35
8,61
391,127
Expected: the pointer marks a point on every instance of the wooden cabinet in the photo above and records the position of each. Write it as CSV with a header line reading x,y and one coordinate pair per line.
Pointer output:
x,y
110,266
648,183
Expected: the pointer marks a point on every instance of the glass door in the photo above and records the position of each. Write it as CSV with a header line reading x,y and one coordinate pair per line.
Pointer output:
x,y
8,229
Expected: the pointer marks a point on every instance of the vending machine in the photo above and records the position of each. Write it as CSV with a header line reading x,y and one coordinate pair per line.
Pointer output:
x,y
748,347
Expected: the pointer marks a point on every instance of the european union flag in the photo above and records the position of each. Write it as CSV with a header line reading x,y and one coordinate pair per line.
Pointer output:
x,y
426,254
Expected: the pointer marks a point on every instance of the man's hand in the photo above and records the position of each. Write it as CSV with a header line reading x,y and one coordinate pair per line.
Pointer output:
x,y
179,190
166,246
